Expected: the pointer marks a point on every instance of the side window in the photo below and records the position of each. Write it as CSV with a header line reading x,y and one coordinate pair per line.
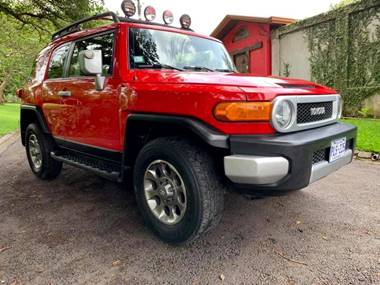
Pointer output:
x,y
105,43
57,63
40,65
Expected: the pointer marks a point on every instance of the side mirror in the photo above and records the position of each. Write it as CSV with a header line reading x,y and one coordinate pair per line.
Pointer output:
x,y
91,63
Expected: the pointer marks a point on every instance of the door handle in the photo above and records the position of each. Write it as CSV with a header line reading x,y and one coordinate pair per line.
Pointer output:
x,y
64,93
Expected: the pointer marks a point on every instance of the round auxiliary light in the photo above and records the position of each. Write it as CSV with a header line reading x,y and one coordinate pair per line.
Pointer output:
x,y
185,21
282,115
150,13
128,7
168,17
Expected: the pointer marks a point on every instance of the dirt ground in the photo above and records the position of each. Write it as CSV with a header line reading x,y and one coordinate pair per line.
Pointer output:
x,y
82,229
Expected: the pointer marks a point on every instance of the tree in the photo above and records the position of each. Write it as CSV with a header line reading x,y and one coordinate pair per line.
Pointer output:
x,y
26,27
39,13
18,48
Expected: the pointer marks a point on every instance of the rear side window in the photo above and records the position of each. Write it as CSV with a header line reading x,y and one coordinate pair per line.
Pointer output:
x,y
105,43
57,63
40,65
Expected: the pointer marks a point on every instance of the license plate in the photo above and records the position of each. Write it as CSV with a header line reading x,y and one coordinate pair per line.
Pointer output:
x,y
338,147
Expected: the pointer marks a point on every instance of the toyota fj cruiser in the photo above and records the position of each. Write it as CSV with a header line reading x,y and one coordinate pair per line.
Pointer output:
x,y
166,105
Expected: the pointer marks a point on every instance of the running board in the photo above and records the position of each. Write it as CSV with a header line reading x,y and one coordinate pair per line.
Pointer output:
x,y
102,168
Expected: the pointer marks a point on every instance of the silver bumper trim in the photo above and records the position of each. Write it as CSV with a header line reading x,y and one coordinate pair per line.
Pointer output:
x,y
259,170
324,168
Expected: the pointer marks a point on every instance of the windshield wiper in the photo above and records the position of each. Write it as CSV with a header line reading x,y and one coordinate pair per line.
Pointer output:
x,y
160,66
225,70
198,68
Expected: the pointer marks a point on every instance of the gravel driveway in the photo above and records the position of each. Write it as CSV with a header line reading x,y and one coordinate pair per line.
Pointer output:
x,y
82,229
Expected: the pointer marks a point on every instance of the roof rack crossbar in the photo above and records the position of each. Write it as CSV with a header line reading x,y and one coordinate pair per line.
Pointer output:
x,y
75,27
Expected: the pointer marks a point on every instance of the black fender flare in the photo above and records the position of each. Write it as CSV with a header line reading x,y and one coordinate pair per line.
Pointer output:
x,y
201,130
26,116
207,133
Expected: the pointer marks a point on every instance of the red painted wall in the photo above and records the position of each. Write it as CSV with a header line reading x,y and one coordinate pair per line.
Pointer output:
x,y
260,59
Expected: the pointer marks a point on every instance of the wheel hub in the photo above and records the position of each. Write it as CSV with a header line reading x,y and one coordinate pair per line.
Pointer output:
x,y
35,152
165,192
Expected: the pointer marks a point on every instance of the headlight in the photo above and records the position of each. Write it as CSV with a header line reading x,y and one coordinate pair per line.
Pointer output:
x,y
282,114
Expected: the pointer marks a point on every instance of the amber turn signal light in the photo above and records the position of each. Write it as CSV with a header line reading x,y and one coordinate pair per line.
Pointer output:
x,y
243,111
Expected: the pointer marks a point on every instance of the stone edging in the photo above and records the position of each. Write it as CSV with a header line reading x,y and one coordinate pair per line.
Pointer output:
x,y
367,155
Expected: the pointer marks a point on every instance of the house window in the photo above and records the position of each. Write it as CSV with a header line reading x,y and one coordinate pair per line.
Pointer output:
x,y
242,62
240,35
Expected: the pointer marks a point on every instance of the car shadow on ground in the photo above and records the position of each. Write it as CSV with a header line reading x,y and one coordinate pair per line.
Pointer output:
x,y
81,202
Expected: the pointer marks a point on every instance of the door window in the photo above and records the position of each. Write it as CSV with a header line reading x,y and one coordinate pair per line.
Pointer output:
x,y
57,63
105,43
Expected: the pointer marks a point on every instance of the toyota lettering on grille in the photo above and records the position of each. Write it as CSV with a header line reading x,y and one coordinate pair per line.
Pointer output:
x,y
317,111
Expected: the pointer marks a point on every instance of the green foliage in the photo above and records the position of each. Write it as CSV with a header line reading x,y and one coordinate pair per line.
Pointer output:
x,y
343,3
39,13
25,28
9,116
364,58
286,72
368,134
345,54
365,112
18,48
322,48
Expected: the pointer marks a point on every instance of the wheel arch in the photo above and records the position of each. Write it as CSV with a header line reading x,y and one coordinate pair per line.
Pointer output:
x,y
141,128
31,114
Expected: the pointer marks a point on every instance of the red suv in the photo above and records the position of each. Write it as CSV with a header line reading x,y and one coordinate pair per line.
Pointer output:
x,y
167,105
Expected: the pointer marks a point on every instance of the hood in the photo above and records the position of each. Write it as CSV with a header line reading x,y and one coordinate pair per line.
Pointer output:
x,y
250,84
215,78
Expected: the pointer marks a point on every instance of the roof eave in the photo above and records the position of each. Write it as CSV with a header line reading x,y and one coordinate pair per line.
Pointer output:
x,y
219,32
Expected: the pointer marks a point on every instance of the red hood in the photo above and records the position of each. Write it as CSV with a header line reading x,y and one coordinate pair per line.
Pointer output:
x,y
252,85
214,78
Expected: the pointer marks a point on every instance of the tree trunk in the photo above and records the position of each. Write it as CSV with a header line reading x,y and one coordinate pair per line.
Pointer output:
x,y
3,85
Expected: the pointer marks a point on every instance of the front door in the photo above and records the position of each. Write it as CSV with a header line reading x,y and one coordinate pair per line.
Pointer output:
x,y
97,111
75,110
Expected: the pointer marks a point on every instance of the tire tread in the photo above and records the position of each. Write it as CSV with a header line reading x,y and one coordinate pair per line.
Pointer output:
x,y
210,182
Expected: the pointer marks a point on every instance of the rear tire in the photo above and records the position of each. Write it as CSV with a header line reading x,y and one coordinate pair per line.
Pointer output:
x,y
184,196
38,147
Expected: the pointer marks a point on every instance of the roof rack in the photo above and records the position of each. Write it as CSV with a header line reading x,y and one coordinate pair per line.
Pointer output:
x,y
75,27
129,20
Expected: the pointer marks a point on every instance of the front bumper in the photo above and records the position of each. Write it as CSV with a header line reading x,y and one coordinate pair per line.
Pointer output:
x,y
285,162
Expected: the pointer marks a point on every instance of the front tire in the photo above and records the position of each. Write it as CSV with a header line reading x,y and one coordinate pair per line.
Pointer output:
x,y
38,147
178,190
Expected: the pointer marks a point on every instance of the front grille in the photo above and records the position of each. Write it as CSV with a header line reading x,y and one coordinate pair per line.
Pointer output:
x,y
319,156
314,112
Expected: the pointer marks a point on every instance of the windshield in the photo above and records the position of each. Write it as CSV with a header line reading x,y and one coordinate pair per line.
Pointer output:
x,y
168,50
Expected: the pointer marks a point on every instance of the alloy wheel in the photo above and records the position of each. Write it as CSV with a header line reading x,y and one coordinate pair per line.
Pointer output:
x,y
165,192
35,152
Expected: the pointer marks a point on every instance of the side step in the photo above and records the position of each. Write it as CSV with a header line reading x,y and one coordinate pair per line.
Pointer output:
x,y
102,168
